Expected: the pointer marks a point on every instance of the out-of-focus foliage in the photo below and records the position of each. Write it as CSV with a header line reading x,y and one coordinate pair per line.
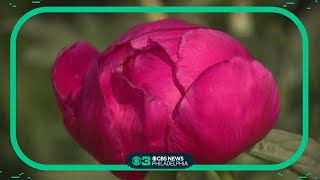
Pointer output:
x,y
273,39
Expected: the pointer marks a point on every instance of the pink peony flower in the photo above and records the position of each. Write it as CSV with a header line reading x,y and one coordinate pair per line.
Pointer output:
x,y
165,86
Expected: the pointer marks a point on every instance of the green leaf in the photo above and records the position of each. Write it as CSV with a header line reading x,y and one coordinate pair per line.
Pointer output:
x,y
278,147
275,148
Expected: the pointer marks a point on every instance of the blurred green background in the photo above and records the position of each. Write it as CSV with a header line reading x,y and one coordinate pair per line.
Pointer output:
x,y
272,39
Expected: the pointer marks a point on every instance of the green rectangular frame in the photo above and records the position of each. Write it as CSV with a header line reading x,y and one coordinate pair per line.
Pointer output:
x,y
171,9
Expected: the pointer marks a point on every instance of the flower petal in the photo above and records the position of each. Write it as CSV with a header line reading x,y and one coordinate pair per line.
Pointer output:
x,y
230,107
94,130
169,45
202,48
152,71
139,119
138,36
168,40
154,27
70,68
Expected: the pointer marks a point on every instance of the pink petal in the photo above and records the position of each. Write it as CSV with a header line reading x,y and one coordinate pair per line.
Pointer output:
x,y
230,107
152,71
140,119
115,57
88,122
95,130
168,40
169,45
153,27
93,126
202,48
70,68
137,38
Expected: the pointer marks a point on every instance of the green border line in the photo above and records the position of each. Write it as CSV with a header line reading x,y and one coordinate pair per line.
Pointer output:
x,y
171,9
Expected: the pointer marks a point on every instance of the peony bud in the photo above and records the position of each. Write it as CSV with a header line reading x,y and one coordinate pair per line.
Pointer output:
x,y
165,86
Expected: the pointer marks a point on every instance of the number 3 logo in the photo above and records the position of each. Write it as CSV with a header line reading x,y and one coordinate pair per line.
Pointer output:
x,y
146,160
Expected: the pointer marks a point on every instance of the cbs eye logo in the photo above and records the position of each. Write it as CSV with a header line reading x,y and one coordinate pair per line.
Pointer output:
x,y
144,161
